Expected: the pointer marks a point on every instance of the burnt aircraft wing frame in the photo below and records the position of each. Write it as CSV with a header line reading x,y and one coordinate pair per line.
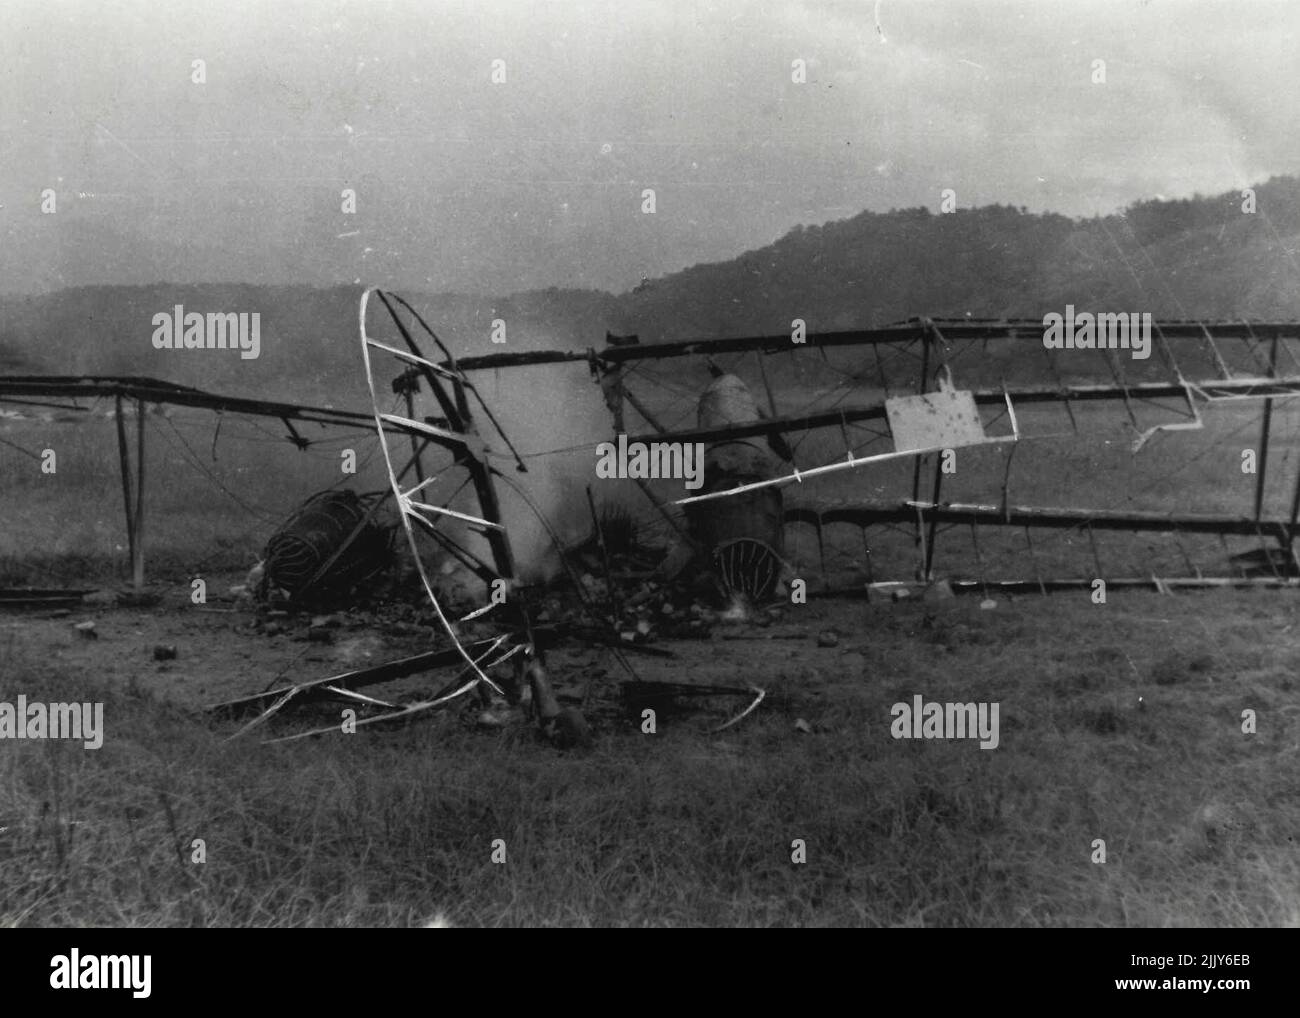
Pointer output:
x,y
941,342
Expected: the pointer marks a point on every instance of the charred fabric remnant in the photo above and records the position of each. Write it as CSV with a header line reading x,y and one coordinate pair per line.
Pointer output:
x,y
327,547
742,534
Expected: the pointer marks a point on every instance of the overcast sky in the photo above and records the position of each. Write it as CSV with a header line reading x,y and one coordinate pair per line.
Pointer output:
x,y
466,184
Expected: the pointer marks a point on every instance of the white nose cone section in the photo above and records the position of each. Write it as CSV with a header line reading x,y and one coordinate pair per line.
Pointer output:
x,y
726,402
742,533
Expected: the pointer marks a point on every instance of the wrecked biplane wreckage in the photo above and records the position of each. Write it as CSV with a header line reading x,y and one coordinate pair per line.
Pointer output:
x,y
521,643
1080,418
865,433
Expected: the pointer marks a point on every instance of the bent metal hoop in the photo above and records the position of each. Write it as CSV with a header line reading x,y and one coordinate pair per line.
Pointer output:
x,y
409,508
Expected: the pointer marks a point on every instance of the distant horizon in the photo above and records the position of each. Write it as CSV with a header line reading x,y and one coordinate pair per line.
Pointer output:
x,y
1226,193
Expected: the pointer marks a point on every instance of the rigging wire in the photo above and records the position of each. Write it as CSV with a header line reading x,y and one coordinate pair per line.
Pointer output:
x,y
25,452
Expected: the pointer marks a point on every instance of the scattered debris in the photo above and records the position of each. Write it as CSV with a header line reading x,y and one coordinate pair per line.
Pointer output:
x,y
664,697
800,725
828,638
758,698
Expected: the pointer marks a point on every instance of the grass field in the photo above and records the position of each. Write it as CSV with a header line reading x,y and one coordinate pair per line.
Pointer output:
x,y
681,827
